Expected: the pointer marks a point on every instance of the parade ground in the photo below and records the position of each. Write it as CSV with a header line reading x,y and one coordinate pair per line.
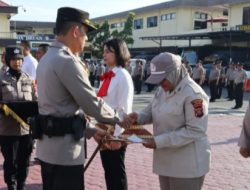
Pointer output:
x,y
229,171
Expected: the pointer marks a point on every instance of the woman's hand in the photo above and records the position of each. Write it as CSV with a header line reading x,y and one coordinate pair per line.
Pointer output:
x,y
150,144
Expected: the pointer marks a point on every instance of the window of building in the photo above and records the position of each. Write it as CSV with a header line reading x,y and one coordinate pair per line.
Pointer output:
x,y
152,21
200,21
198,24
225,12
246,16
138,24
113,25
170,16
117,25
200,15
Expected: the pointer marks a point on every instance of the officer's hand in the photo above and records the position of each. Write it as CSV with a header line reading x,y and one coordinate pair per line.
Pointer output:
x,y
133,117
244,152
150,143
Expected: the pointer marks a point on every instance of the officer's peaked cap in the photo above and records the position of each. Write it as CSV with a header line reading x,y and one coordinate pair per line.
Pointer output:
x,y
69,14
13,52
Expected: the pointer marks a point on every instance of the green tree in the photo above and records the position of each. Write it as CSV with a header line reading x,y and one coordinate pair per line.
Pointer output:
x,y
98,37
126,33
102,34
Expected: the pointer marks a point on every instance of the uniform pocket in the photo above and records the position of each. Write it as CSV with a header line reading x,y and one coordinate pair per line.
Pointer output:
x,y
7,88
26,88
8,91
27,91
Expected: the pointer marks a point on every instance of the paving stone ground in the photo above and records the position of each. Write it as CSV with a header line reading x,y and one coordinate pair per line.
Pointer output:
x,y
229,171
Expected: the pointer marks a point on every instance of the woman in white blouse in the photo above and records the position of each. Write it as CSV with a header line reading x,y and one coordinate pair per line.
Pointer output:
x,y
117,91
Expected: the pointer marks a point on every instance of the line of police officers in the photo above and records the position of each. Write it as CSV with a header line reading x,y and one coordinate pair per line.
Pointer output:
x,y
233,77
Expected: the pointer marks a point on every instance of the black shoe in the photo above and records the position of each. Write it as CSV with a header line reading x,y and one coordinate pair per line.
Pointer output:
x,y
230,99
212,100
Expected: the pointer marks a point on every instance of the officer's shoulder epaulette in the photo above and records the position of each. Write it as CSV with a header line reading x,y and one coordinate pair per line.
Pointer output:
x,y
68,52
26,75
193,87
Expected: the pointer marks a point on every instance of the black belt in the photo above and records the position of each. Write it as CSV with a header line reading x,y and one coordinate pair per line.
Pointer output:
x,y
55,126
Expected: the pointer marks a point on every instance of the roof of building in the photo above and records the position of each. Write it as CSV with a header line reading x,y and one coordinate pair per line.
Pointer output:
x,y
31,24
171,4
3,4
230,35
5,8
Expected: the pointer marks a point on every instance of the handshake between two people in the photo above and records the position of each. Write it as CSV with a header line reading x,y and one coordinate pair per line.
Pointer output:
x,y
104,136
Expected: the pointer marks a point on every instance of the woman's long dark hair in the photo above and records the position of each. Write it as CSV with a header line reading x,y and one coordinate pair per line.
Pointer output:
x,y
120,49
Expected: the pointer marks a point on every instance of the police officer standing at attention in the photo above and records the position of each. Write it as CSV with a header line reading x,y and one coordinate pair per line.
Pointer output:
x,y
230,81
63,89
239,82
198,73
213,80
15,139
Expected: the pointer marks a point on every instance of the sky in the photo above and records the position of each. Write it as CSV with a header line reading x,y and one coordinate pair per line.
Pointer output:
x,y
45,10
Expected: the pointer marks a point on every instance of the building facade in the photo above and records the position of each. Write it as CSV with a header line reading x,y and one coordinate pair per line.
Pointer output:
x,y
7,37
164,26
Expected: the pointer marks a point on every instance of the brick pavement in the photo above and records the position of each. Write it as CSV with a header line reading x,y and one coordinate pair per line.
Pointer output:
x,y
229,171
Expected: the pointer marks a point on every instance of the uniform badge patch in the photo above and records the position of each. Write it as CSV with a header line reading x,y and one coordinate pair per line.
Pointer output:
x,y
198,107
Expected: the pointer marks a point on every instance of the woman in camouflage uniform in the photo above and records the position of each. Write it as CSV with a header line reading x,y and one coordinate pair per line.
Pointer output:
x,y
16,142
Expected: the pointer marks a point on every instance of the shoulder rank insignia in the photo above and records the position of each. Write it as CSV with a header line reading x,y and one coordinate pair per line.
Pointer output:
x,y
198,107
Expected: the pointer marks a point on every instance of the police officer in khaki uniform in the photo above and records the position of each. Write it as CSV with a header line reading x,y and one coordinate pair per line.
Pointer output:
x,y
198,73
16,142
221,81
179,113
64,88
230,81
213,80
239,82
137,76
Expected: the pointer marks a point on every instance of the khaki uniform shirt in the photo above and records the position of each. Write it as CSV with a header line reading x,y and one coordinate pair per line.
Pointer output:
x,y
230,74
214,75
100,69
180,123
13,90
63,88
198,73
138,70
240,76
